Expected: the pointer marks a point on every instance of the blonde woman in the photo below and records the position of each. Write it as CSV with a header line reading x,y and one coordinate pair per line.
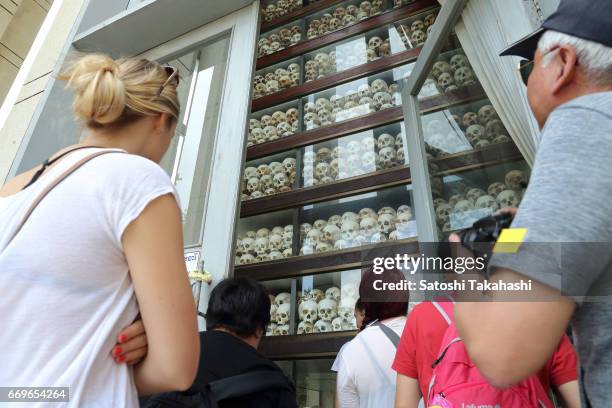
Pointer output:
x,y
101,247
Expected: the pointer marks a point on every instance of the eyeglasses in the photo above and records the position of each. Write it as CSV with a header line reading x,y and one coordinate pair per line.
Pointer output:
x,y
172,73
525,68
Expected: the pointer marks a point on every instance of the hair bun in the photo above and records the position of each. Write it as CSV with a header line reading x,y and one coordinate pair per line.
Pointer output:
x,y
100,95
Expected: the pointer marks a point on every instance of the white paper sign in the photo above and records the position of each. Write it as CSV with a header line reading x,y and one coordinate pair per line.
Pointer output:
x,y
192,261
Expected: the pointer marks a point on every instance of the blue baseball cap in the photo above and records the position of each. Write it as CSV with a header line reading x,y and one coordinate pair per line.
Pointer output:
x,y
587,19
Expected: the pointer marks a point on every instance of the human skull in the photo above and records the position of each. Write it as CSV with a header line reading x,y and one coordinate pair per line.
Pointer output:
x,y
388,157
515,180
381,99
282,314
443,212
331,233
335,220
282,330
459,61
304,228
446,82
328,309
337,324
417,25
387,210
464,76
319,224
494,128
463,206
475,133
441,67
368,226
403,221
385,223
271,329
470,118
305,328
374,43
349,229
311,120
308,311
496,188
313,237
385,140
322,326
253,185
261,245
486,114
280,180
487,201
418,37
429,20
379,85
323,103
276,242
282,299
474,193
508,199
333,293
347,306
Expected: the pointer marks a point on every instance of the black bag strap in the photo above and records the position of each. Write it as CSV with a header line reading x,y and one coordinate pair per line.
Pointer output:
x,y
391,335
54,184
248,383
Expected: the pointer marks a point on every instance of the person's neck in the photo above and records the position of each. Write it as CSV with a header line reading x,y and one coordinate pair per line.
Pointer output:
x,y
252,341
115,140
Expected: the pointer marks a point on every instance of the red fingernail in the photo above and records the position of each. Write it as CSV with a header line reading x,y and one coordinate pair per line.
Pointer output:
x,y
122,338
120,359
117,351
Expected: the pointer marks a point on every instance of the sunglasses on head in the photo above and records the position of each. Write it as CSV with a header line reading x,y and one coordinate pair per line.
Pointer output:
x,y
172,74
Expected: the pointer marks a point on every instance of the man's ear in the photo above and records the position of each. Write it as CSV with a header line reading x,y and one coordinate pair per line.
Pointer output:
x,y
566,66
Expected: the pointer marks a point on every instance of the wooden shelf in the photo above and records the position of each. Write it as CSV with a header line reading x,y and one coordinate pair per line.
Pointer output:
x,y
329,261
371,23
297,14
339,78
325,192
366,122
318,345
475,159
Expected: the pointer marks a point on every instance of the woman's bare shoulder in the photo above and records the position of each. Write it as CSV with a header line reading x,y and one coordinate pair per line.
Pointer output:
x,y
16,184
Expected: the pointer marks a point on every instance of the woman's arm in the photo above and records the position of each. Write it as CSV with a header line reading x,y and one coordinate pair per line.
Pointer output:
x,y
153,245
570,394
407,392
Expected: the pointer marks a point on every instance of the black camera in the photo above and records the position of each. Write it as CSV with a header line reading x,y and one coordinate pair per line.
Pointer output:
x,y
482,236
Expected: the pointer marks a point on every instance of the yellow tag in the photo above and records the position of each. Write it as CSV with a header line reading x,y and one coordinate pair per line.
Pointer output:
x,y
510,241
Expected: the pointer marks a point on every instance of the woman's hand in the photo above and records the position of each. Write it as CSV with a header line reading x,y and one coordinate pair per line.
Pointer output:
x,y
131,345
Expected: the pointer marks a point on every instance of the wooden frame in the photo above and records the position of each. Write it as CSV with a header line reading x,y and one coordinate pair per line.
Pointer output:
x,y
325,192
339,78
325,262
366,25
298,347
366,122
297,14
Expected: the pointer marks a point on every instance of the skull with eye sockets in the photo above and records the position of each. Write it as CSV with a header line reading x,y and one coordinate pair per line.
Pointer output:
x,y
487,201
386,223
328,309
496,188
305,328
515,180
508,199
308,311
282,314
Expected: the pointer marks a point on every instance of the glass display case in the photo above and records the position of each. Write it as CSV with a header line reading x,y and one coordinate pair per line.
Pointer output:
x,y
462,198
274,123
354,99
327,182
354,155
370,46
343,15
365,219
263,238
268,176
280,38
276,78
315,383
326,302
273,9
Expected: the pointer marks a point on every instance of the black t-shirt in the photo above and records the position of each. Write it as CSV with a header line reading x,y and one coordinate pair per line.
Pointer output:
x,y
223,355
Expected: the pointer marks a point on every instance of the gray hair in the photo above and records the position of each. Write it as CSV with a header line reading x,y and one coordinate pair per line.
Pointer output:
x,y
595,58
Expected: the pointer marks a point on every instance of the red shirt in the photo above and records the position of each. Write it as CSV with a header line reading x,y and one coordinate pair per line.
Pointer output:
x,y
420,345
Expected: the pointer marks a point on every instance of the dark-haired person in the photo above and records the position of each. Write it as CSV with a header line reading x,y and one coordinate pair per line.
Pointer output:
x,y
236,319
365,378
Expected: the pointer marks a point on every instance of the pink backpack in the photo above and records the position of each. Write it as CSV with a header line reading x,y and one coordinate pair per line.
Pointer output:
x,y
457,383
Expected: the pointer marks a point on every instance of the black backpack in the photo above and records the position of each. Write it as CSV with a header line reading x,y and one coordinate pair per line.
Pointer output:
x,y
221,390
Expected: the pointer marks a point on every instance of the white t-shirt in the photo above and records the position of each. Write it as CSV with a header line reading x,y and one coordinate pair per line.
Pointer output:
x,y
365,378
65,290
